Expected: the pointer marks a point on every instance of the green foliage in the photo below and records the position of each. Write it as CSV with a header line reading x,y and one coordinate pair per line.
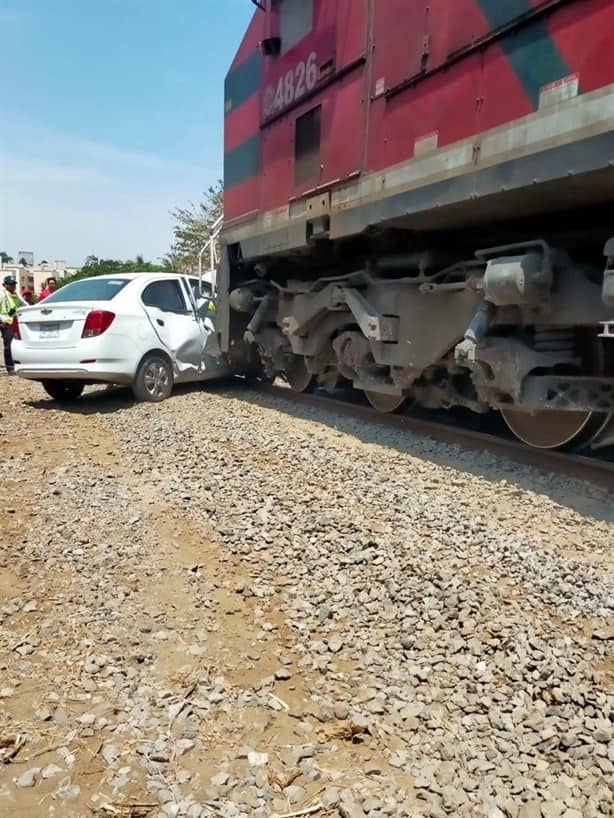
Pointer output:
x,y
192,230
5,258
95,266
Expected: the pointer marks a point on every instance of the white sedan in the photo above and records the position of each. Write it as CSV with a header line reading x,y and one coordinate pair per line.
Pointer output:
x,y
148,330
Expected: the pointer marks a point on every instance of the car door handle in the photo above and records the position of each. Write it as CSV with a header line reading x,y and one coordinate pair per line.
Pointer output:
x,y
160,322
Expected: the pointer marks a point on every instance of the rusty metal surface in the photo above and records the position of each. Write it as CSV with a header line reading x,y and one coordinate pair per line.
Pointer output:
x,y
592,470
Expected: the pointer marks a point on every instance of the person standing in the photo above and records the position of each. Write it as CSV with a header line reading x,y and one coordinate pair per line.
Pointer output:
x,y
10,301
27,295
50,286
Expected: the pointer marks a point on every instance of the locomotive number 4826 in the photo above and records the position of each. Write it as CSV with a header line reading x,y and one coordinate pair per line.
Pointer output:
x,y
291,86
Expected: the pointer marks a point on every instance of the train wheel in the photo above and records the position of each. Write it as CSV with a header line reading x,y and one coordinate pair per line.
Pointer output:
x,y
386,404
553,430
299,377
604,436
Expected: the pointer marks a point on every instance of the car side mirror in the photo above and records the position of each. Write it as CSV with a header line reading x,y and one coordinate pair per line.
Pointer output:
x,y
205,308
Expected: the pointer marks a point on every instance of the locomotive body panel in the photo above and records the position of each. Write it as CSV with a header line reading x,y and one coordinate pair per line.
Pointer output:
x,y
480,75
242,93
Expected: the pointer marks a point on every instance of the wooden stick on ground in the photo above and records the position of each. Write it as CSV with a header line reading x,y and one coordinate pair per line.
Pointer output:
x,y
307,811
23,639
11,746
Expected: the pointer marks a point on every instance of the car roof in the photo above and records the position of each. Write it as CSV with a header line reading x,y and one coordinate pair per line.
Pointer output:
x,y
146,276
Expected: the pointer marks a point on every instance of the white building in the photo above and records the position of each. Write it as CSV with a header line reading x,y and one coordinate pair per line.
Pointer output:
x,y
33,276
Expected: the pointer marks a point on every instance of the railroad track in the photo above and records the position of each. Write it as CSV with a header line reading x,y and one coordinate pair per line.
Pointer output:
x,y
591,469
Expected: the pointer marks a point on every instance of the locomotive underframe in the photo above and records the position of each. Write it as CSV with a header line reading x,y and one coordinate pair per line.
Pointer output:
x,y
396,335
514,327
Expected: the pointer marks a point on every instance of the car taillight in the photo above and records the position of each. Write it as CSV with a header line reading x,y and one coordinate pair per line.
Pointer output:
x,y
97,322
15,327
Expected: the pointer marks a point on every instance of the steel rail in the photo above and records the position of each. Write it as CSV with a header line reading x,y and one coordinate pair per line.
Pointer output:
x,y
592,470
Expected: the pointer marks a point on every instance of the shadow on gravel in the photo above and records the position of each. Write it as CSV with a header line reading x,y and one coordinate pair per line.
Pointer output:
x,y
106,400
585,499
99,402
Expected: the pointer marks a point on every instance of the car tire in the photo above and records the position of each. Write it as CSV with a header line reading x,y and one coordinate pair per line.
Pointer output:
x,y
154,379
63,391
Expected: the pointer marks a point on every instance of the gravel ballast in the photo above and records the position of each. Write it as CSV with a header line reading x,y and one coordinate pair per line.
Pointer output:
x,y
228,605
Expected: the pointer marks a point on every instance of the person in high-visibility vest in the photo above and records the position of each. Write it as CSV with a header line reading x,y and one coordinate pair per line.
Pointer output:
x,y
10,301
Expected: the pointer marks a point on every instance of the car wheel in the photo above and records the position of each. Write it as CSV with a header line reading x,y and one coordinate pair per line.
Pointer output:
x,y
154,379
63,391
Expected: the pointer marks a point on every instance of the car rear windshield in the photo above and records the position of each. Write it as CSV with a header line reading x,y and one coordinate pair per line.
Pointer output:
x,y
91,289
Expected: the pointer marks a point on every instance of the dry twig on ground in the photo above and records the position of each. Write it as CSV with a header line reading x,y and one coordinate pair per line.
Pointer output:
x,y
10,746
123,810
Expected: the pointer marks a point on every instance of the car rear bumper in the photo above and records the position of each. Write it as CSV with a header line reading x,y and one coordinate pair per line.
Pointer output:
x,y
65,364
74,374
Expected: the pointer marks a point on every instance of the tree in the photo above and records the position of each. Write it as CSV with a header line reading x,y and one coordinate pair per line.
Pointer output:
x,y
94,266
5,258
192,230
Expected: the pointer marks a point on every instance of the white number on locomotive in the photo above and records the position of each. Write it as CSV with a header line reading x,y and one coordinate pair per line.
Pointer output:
x,y
291,86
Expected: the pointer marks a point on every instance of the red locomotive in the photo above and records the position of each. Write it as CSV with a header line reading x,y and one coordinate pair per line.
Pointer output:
x,y
418,194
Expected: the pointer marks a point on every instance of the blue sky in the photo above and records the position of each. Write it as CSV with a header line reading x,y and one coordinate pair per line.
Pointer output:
x,y
111,114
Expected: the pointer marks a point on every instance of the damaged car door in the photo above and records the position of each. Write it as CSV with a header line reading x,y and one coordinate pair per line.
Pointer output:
x,y
180,330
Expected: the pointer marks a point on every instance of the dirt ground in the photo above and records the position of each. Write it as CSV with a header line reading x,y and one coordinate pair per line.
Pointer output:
x,y
50,702
147,668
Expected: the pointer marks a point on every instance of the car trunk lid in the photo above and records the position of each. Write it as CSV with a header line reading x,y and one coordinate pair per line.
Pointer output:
x,y
56,325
